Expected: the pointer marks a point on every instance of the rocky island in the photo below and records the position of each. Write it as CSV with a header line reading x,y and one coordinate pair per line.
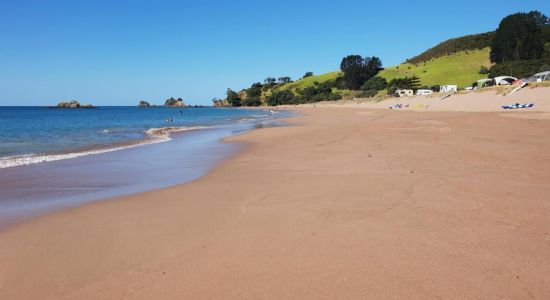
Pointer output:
x,y
172,102
144,104
73,104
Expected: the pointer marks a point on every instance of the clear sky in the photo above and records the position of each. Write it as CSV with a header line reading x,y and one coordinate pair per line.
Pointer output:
x,y
120,52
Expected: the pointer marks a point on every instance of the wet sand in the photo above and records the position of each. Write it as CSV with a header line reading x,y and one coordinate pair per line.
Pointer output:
x,y
29,191
352,203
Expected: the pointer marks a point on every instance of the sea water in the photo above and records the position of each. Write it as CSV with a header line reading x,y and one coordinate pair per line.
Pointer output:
x,y
38,134
52,159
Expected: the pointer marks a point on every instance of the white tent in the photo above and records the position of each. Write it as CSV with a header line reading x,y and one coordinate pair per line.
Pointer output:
x,y
483,83
542,76
504,80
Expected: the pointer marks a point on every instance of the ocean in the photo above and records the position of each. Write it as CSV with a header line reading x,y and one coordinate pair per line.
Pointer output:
x,y
37,134
52,159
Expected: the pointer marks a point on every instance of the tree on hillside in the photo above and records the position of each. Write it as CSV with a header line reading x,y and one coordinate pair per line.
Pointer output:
x,y
455,45
520,68
253,95
376,83
518,37
354,77
233,98
281,98
251,101
270,80
350,62
255,90
373,65
407,83
318,92
308,74
539,17
285,79
357,70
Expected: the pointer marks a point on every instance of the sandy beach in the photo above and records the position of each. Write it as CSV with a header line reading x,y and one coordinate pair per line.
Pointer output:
x,y
484,100
347,203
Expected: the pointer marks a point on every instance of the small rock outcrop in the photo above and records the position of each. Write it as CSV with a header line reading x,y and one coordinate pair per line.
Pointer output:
x,y
73,104
143,104
172,102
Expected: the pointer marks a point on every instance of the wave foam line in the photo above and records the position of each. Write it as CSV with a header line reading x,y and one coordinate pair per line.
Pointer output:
x,y
156,135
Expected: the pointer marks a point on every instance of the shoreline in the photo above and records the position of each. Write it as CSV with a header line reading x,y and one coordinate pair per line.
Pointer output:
x,y
152,136
350,203
106,137
30,191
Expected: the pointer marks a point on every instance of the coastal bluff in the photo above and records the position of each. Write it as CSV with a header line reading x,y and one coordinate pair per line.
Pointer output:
x,y
73,104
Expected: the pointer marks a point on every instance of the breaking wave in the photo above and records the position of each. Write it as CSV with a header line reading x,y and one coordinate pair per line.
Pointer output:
x,y
154,136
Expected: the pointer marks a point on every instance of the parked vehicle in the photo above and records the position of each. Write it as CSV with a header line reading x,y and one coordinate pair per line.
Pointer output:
x,y
404,93
448,88
423,92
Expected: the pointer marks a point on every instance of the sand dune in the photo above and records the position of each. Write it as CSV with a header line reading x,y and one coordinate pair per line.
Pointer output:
x,y
350,204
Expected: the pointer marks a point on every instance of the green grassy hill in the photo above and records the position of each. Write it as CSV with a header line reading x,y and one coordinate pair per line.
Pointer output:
x,y
459,68
308,81
454,61
451,46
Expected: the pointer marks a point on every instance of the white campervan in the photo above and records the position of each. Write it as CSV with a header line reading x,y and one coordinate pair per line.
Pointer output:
x,y
448,88
423,92
404,93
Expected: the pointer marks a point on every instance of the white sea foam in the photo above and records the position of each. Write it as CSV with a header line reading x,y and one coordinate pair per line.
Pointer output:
x,y
155,135
165,131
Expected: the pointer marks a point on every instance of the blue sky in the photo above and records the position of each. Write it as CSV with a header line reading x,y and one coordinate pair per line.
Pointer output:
x,y
120,52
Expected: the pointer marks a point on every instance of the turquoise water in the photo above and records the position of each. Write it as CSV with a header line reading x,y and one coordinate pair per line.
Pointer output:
x,y
36,134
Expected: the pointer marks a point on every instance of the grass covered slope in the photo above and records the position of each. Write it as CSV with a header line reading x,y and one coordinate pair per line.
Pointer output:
x,y
455,61
460,68
308,81
451,46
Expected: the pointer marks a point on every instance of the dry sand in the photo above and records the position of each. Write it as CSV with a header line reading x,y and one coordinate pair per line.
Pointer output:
x,y
351,204
485,100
